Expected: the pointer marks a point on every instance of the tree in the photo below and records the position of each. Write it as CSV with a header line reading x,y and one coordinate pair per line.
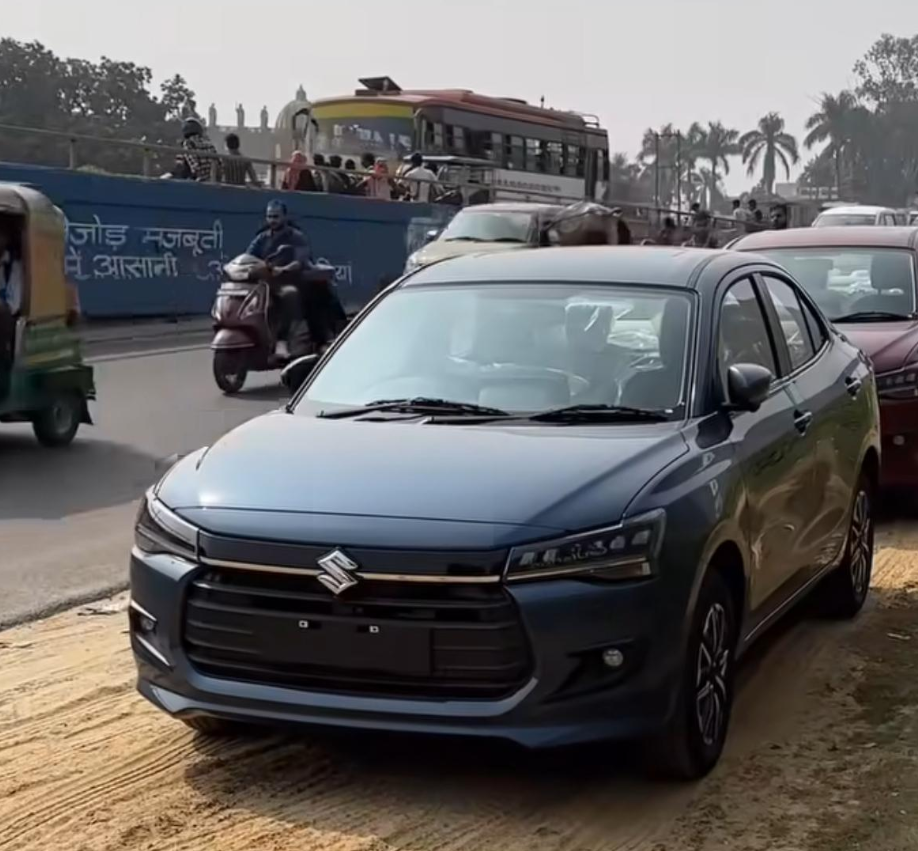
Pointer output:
x,y
716,146
837,122
769,144
889,71
177,99
625,179
109,99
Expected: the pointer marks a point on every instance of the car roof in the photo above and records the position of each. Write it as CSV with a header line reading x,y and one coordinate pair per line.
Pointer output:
x,y
650,265
513,207
855,209
842,237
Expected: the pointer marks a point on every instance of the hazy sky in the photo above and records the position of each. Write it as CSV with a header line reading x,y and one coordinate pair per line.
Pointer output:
x,y
634,64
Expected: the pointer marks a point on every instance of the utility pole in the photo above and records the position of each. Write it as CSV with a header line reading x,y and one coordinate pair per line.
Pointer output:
x,y
657,137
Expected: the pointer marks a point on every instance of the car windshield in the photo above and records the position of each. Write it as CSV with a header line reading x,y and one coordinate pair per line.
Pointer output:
x,y
845,220
851,284
489,227
517,348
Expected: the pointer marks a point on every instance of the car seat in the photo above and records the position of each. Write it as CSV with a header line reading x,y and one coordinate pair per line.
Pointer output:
x,y
659,387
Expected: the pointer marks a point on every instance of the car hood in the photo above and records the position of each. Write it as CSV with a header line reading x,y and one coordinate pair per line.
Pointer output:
x,y
887,344
542,479
442,249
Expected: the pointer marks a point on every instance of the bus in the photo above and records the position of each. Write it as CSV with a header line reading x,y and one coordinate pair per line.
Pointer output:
x,y
536,154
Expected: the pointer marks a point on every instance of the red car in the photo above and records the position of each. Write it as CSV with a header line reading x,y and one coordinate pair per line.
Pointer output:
x,y
864,279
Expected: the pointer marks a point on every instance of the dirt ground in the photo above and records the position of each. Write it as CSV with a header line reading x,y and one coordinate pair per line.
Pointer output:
x,y
823,756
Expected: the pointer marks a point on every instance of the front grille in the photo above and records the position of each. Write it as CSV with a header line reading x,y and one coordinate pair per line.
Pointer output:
x,y
377,639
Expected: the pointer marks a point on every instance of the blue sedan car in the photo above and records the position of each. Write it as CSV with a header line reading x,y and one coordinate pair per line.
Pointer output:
x,y
546,496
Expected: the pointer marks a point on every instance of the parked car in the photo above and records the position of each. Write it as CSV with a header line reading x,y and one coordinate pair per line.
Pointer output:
x,y
857,215
486,514
864,279
484,228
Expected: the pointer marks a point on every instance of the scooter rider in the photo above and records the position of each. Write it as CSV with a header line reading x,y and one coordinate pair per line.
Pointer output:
x,y
278,234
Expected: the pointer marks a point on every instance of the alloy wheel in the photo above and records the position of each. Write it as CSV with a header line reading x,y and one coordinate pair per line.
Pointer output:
x,y
711,681
860,544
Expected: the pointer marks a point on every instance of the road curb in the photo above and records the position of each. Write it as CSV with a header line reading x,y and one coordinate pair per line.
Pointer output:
x,y
41,613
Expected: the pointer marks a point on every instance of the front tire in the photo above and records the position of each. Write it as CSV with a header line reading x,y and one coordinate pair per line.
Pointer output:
x,y
230,370
56,426
845,590
694,739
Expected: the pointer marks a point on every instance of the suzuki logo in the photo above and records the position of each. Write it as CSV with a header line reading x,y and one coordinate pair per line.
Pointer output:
x,y
338,572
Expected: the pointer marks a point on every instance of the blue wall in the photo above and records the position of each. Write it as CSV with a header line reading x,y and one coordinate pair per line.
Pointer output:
x,y
139,247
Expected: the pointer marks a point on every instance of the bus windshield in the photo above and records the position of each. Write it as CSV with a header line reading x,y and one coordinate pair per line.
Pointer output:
x,y
384,136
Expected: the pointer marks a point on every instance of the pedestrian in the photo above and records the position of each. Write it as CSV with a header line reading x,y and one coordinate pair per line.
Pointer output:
x,y
756,220
420,180
622,231
299,177
778,216
338,184
667,235
320,177
739,214
702,233
368,162
237,169
378,184
200,155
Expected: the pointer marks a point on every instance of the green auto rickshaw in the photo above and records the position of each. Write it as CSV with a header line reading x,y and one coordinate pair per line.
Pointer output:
x,y
43,379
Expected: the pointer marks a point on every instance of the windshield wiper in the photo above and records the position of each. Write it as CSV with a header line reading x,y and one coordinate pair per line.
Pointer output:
x,y
463,239
874,316
593,413
507,239
417,405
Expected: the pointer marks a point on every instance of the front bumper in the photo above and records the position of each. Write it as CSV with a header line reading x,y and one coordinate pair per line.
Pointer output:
x,y
569,696
899,428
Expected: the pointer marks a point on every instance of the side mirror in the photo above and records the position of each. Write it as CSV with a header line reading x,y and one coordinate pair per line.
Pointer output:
x,y
297,371
748,385
431,235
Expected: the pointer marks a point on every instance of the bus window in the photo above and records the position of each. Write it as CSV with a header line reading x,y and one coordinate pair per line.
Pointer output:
x,y
515,152
455,139
572,162
497,147
534,155
438,138
581,162
555,157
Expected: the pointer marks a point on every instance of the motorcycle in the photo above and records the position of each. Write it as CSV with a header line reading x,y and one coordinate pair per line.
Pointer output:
x,y
249,323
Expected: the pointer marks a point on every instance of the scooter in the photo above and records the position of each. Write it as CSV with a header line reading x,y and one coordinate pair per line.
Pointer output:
x,y
249,325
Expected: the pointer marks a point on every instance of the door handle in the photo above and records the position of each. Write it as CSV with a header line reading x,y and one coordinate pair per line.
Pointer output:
x,y
853,386
802,421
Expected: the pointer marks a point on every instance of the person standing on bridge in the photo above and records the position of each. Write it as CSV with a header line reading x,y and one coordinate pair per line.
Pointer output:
x,y
238,169
200,154
421,180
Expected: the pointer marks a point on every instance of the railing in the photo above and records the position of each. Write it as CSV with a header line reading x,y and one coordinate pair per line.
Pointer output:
x,y
153,154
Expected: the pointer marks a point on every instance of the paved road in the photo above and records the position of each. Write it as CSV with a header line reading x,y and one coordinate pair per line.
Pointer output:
x,y
66,517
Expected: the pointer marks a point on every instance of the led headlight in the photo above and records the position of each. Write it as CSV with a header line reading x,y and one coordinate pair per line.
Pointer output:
x,y
160,531
900,384
627,551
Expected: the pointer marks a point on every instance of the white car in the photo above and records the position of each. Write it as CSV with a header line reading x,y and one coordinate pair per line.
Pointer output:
x,y
856,215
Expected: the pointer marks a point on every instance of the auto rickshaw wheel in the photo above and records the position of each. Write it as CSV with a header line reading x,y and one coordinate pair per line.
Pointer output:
x,y
230,370
57,425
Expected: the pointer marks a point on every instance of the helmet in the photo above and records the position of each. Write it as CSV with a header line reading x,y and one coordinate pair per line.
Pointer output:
x,y
192,127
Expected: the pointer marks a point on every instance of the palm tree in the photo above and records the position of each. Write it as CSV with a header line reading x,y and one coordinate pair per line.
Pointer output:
x,y
718,144
835,123
623,177
769,144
